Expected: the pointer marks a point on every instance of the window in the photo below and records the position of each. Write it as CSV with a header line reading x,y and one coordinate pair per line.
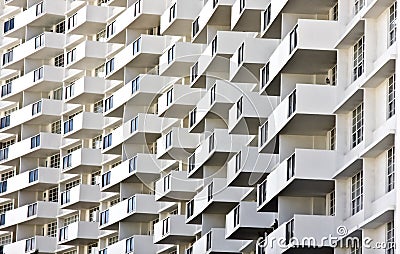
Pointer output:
x,y
263,133
333,12
293,39
289,231
55,161
208,241
53,195
68,125
38,74
33,175
96,142
71,55
72,184
111,240
110,29
194,72
4,121
189,208
39,8
136,45
70,252
165,226
134,124
105,179
172,12
192,117
240,54
357,125
129,245
213,94
264,75
391,95
191,162
238,161
236,216
67,161
170,95
168,140
91,248
214,46
358,5
107,141
392,23
332,138
108,103
32,209
71,219
355,250
390,241
7,175
215,2
290,166
267,17
239,107
35,141
211,142
242,5
6,207
210,188
109,66
8,56
171,54
63,234
30,244
333,75
195,27
358,58
94,176
8,25
135,84
52,229
36,107
60,27
72,21
131,204
357,193
331,203
39,41
390,169
57,94
5,239
98,106
137,8
101,36
99,71
93,212
167,182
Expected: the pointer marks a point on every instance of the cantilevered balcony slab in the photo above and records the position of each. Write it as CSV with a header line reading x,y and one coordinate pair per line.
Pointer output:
x,y
79,233
82,196
84,125
174,230
84,160
246,15
176,186
44,244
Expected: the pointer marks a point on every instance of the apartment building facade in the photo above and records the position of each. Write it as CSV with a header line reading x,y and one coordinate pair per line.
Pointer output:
x,y
198,126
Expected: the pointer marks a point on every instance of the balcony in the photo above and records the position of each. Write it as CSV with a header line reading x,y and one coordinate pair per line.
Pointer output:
x,y
178,17
87,55
84,125
214,242
215,198
137,208
79,233
246,15
273,28
249,111
248,167
42,145
216,150
44,46
178,58
43,244
84,160
91,89
174,230
136,243
38,15
215,57
142,129
43,79
37,213
245,223
303,227
251,55
309,41
177,144
88,20
37,179
41,112
140,168
140,15
176,186
298,175
215,13
144,52
82,196
307,110
143,90
216,102
178,101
